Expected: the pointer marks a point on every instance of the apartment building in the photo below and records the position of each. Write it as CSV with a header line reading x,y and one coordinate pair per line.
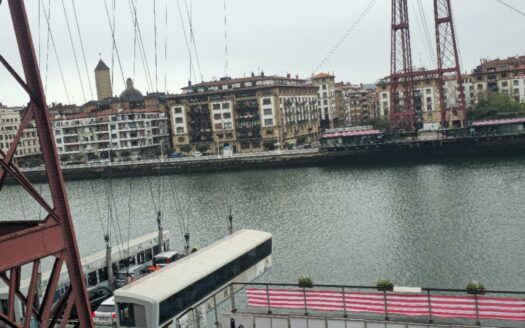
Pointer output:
x,y
10,119
114,128
506,76
325,84
426,99
249,114
356,103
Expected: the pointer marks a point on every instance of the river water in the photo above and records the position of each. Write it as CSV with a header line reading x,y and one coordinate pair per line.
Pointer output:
x,y
432,224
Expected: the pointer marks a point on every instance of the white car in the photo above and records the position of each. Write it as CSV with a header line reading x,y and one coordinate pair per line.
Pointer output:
x,y
105,313
197,154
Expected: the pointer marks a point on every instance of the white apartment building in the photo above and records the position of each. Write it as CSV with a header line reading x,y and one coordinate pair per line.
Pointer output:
x,y
124,132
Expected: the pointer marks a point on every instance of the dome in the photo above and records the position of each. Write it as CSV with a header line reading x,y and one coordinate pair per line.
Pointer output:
x,y
130,93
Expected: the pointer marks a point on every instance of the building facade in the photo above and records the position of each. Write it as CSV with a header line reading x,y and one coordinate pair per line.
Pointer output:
x,y
249,114
506,76
426,100
10,119
113,130
356,104
325,84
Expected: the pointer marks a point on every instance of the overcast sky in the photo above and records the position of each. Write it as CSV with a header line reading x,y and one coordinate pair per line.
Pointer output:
x,y
277,36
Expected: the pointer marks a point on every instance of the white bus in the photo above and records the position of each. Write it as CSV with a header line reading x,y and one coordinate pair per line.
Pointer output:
x,y
159,298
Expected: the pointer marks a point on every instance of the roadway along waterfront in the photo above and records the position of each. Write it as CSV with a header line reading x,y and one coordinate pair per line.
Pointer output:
x,y
435,225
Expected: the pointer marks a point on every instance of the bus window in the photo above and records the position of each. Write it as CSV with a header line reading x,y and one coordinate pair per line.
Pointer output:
x,y
126,315
3,306
148,254
155,249
92,279
103,274
140,257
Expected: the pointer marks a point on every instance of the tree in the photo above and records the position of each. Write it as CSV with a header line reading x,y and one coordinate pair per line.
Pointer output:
x,y
379,123
203,148
496,105
186,148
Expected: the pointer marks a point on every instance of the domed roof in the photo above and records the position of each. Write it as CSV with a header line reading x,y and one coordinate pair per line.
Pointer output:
x,y
130,93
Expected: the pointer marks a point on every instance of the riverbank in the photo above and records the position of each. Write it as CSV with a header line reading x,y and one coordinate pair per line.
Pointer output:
x,y
371,154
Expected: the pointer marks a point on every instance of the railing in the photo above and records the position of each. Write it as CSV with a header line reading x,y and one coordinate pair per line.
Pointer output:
x,y
424,305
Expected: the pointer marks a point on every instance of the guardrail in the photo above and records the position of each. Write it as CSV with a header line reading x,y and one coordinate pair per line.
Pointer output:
x,y
162,161
420,305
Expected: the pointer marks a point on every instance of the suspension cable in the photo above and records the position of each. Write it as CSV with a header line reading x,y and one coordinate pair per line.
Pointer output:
x,y
56,53
142,51
47,42
74,51
511,7
426,32
82,47
346,34
113,44
189,13
225,40
155,45
134,42
166,48
188,47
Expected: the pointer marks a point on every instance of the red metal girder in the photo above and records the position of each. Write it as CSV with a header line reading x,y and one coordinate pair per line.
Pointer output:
x,y
35,242
19,294
14,285
31,294
9,323
30,245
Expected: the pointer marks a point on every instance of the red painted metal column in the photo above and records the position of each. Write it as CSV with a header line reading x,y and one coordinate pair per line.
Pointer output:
x,y
24,243
450,81
402,112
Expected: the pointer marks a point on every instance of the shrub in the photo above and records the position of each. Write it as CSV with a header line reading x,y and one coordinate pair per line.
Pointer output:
x,y
475,286
385,284
305,281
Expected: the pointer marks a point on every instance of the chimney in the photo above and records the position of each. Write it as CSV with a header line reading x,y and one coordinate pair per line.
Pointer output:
x,y
288,76
297,77
253,74
189,83
262,73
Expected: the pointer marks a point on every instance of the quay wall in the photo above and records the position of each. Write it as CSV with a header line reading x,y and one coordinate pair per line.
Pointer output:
x,y
364,154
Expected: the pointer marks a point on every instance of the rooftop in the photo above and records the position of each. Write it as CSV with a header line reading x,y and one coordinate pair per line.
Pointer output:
x,y
322,76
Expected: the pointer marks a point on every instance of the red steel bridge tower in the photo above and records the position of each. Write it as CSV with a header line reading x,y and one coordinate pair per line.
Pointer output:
x,y
27,243
404,105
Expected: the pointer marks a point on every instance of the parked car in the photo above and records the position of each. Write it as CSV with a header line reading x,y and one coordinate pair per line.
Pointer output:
x,y
105,312
129,274
197,154
175,155
96,296
166,258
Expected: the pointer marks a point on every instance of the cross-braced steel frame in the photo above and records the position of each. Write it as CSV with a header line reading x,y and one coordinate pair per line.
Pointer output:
x,y
27,243
449,80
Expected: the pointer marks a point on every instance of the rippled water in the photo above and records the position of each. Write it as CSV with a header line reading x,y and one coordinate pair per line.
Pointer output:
x,y
434,225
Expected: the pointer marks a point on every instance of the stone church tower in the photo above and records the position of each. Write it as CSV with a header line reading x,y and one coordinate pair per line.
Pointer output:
x,y
103,81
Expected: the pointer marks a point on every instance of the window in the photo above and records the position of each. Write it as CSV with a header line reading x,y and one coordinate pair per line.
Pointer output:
x,y
267,101
325,102
268,111
92,279
228,126
516,82
226,105
216,106
268,121
126,314
180,130
218,126
504,84
226,115
179,120
178,110
324,86
217,116
428,91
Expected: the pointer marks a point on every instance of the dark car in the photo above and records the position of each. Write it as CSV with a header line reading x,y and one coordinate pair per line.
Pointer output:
x,y
176,155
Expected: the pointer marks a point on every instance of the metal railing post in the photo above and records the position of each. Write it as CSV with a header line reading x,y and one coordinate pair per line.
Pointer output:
x,y
477,309
268,300
215,311
386,305
305,304
344,303
430,320
232,293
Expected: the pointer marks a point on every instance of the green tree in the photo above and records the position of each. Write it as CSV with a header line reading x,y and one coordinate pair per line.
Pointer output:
x,y
496,105
186,148
203,148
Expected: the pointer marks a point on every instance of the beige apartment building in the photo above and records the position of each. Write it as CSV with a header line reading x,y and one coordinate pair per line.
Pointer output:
x,y
506,76
10,119
326,86
248,114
